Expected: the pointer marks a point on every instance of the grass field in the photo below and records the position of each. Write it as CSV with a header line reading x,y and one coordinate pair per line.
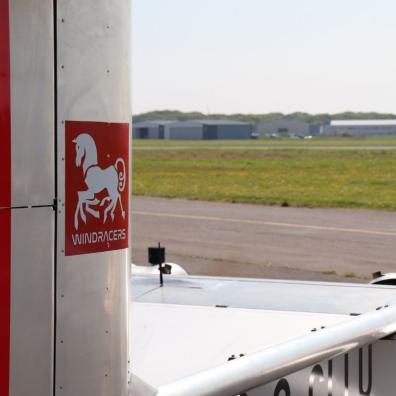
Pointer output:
x,y
272,172
373,141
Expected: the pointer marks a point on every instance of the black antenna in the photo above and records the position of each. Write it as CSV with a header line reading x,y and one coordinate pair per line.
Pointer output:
x,y
156,256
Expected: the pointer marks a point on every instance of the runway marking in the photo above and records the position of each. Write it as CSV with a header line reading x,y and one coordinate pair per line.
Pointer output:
x,y
266,223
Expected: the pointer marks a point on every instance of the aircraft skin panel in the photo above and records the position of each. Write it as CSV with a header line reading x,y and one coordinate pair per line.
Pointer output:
x,y
93,86
89,344
5,198
171,342
5,109
26,180
294,351
32,102
5,298
279,361
278,295
366,371
32,301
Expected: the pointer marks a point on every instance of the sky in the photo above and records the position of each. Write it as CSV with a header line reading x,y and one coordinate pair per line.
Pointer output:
x,y
260,56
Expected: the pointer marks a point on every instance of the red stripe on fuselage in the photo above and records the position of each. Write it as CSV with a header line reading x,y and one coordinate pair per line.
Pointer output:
x,y
5,198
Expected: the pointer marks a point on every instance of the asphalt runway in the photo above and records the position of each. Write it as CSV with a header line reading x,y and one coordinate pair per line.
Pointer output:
x,y
269,242
263,148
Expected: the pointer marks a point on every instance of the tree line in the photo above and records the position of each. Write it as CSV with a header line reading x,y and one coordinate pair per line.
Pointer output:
x,y
314,119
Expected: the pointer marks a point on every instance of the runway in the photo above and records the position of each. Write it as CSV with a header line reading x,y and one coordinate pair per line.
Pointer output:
x,y
270,242
261,148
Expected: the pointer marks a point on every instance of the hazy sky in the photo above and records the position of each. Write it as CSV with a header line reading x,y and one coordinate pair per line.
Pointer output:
x,y
261,56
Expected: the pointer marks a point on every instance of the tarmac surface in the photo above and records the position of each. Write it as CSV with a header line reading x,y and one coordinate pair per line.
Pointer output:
x,y
241,240
263,148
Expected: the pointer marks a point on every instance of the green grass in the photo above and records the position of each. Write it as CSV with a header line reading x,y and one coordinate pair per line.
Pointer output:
x,y
349,275
374,141
299,177
330,273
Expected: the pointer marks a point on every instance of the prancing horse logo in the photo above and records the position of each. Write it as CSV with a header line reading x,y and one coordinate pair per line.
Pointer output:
x,y
111,179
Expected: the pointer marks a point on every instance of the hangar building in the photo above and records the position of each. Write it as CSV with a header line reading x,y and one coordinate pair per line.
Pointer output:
x,y
150,129
193,130
284,128
224,129
360,127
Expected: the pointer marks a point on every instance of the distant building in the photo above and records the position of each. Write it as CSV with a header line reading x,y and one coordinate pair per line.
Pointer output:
x,y
150,129
193,130
184,130
231,130
360,127
284,128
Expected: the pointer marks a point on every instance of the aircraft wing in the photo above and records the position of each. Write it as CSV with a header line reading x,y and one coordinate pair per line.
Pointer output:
x,y
188,330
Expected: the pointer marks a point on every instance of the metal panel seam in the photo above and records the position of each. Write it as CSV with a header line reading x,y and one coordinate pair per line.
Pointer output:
x,y
55,272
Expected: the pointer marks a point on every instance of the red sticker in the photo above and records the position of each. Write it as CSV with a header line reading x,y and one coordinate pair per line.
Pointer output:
x,y
97,187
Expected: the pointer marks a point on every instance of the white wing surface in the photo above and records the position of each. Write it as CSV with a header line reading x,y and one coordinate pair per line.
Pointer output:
x,y
187,331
